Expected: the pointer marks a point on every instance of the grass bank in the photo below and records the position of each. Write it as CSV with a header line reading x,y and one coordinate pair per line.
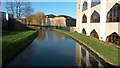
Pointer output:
x,y
15,41
109,53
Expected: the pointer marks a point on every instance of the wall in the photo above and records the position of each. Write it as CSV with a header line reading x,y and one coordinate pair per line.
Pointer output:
x,y
112,27
103,29
84,25
95,26
4,21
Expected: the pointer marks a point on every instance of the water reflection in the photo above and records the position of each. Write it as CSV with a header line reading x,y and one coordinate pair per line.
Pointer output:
x,y
52,48
47,52
55,36
41,35
85,59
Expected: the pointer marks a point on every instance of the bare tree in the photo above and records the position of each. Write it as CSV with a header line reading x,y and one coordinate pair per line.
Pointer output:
x,y
19,8
10,7
28,12
29,19
40,17
37,19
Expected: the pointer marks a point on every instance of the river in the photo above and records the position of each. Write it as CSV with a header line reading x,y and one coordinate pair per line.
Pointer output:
x,y
52,48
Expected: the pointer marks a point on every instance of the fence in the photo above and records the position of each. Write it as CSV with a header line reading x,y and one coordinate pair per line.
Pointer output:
x,y
66,28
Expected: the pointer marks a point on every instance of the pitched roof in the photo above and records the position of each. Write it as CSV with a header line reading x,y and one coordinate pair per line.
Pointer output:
x,y
50,16
65,16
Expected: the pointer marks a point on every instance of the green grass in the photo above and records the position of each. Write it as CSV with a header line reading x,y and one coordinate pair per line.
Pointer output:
x,y
14,41
106,51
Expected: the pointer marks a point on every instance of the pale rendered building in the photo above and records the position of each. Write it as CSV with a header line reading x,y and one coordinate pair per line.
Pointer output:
x,y
61,20
99,18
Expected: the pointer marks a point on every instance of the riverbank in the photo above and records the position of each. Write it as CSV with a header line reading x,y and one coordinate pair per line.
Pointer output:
x,y
13,42
105,51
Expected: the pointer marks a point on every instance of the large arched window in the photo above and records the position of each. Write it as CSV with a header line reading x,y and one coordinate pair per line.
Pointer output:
x,y
95,2
113,38
95,17
84,19
84,31
114,14
94,34
84,6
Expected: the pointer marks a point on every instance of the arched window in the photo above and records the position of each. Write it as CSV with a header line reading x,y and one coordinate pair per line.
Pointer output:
x,y
85,6
84,19
113,38
114,14
94,34
95,17
95,2
84,31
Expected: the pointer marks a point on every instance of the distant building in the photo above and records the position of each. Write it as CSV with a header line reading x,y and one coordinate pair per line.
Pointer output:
x,y
22,20
69,20
49,20
61,20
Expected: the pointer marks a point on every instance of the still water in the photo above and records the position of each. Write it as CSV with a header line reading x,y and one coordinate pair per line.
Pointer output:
x,y
53,48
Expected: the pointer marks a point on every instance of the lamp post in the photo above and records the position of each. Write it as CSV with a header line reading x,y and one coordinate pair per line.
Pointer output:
x,y
69,23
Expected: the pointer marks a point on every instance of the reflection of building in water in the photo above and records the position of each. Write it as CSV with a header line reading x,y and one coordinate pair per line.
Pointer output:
x,y
78,54
56,36
41,35
84,58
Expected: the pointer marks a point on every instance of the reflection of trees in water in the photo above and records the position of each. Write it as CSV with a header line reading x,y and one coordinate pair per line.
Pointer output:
x,y
41,35
53,35
59,37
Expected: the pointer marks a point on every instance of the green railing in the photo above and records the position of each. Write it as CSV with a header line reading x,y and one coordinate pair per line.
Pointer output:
x,y
63,28
66,28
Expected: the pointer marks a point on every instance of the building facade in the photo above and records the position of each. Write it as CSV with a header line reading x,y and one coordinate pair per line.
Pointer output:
x,y
61,20
49,20
99,19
